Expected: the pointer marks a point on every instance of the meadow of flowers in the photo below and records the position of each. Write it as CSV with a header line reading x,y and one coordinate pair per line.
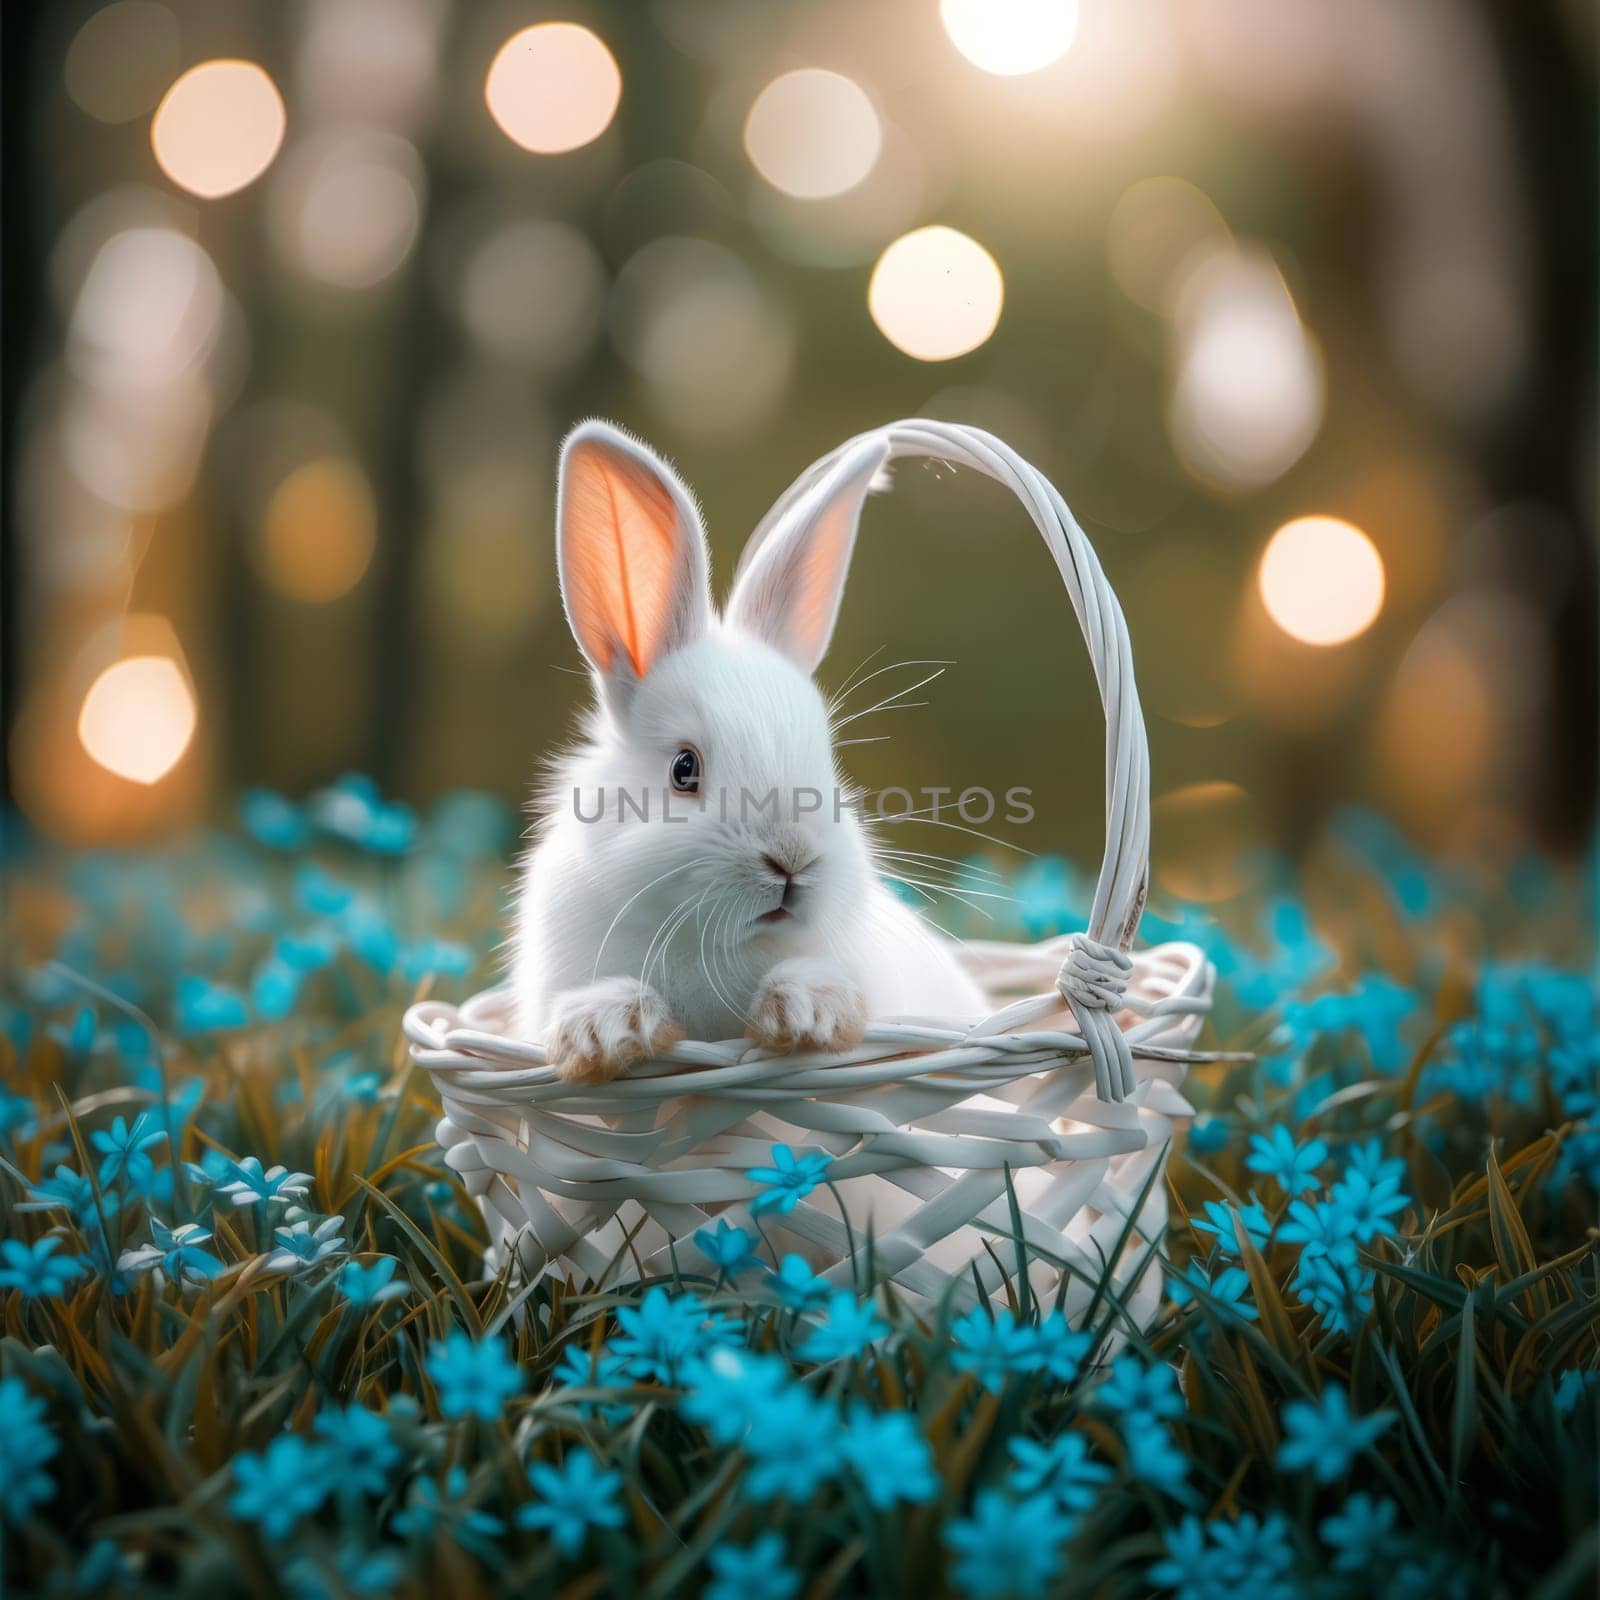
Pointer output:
x,y
249,1345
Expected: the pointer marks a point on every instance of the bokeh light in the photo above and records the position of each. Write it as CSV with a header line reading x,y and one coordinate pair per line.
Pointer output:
x,y
138,718
533,292
813,134
1156,226
1010,37
318,531
149,311
936,294
1248,389
1321,580
348,207
218,127
553,87
715,347
122,59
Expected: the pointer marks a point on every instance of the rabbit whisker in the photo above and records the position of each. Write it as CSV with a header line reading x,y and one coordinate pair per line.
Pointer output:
x,y
681,867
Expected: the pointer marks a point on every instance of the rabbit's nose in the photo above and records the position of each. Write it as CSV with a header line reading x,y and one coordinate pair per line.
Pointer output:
x,y
788,869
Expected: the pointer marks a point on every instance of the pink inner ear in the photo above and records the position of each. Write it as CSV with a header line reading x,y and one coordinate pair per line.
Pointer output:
x,y
620,531
821,578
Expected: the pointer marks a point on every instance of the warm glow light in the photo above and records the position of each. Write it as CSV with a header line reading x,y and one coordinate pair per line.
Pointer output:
x,y
813,134
218,127
936,294
1247,393
553,87
319,531
346,207
1010,37
1321,580
138,718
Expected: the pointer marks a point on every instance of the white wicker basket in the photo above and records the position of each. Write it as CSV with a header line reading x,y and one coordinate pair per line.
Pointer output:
x,y
1069,1093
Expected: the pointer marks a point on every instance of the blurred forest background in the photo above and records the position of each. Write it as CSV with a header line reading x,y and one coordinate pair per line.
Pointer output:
x,y
1294,301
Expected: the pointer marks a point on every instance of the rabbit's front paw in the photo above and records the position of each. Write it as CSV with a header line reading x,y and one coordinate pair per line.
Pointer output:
x,y
598,1032
806,1004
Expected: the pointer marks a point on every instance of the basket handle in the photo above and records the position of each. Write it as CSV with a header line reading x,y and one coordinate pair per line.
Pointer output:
x,y
1094,977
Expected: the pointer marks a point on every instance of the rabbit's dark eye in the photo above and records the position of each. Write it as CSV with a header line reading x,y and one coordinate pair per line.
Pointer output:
x,y
685,770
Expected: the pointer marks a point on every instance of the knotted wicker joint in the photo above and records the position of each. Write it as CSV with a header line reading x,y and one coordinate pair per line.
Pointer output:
x,y
1052,1114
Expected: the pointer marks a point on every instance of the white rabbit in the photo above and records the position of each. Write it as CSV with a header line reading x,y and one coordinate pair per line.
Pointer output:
x,y
723,910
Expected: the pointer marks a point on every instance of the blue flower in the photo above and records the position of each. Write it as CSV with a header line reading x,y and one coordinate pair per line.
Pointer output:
x,y
275,989
320,892
1375,1165
206,1007
249,1185
796,1285
373,1284
793,1446
1007,1547
571,1499
729,1249
1575,1077
663,1332
1058,1348
1324,1438
1571,1388
1293,1166
437,957
1219,1222
850,1327
1225,1292
1367,1208
363,1088
18,1114
357,1571
30,1445
1319,1224
178,1253
1250,1557
474,1378
310,951
1154,1456
889,1455
68,1190
788,1180
126,1150
431,1505
756,1571
992,1348
79,1037
371,937
729,1391
1333,1282
1133,1390
280,1485
353,809
1359,1531
300,1245
272,820
359,1447
102,1567
579,1369
1208,1134
1061,1469
36,1270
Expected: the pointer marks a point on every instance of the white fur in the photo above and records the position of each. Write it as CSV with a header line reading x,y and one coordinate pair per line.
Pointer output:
x,y
674,905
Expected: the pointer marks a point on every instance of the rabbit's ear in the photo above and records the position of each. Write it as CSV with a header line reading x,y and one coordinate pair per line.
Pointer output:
x,y
631,555
789,591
